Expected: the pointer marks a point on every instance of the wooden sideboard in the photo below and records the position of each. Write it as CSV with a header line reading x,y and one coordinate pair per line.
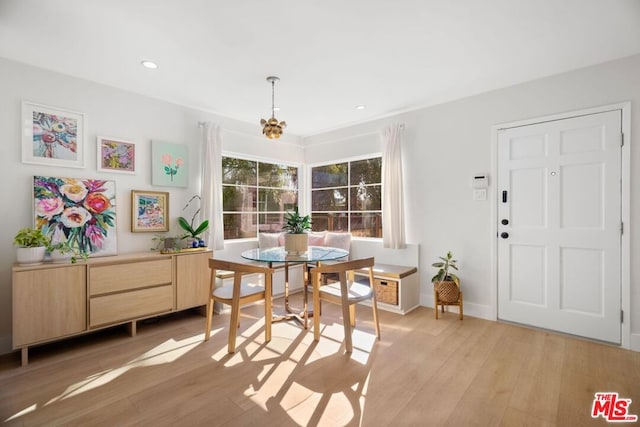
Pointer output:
x,y
55,301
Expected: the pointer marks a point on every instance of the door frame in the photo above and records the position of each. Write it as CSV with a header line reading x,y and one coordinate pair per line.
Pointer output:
x,y
625,254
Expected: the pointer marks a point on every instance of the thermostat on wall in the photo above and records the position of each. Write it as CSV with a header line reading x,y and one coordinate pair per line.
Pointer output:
x,y
480,181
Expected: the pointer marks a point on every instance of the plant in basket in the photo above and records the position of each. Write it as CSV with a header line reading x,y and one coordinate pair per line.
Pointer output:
x,y
445,283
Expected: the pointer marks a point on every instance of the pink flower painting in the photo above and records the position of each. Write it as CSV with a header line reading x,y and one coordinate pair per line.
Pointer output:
x,y
170,164
78,211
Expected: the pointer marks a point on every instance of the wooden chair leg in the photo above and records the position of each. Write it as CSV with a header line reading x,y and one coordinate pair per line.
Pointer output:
x,y
352,315
207,333
268,310
460,305
235,321
346,312
316,309
435,303
374,305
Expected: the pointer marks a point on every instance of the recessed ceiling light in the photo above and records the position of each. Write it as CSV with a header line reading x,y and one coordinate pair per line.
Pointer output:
x,y
276,108
149,64
360,107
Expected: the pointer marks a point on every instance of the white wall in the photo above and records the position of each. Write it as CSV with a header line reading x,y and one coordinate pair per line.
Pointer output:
x,y
109,112
445,145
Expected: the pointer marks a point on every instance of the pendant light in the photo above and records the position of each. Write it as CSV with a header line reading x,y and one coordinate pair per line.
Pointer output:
x,y
271,128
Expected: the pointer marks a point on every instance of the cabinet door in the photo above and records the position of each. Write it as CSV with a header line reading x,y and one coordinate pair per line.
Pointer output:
x,y
192,279
48,303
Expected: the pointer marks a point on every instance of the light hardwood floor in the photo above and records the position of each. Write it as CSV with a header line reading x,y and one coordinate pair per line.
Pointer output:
x,y
424,372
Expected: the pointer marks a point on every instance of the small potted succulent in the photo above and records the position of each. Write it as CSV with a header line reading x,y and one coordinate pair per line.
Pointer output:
x,y
296,240
31,246
445,283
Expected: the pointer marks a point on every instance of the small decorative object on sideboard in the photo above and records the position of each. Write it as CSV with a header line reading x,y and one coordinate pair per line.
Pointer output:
x,y
193,232
446,285
296,240
64,252
32,245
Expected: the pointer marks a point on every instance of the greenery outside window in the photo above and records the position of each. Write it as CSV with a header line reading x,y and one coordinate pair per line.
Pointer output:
x,y
255,196
347,196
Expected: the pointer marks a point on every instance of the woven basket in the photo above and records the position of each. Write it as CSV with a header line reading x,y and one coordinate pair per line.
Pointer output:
x,y
447,291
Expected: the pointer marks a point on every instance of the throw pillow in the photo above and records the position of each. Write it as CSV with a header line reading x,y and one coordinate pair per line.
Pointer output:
x,y
268,240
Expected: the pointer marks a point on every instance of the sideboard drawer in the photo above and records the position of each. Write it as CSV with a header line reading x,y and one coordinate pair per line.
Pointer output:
x,y
104,279
115,308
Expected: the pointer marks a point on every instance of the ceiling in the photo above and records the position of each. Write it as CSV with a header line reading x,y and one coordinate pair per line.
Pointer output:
x,y
330,55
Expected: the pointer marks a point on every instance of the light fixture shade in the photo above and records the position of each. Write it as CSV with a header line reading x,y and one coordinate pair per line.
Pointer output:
x,y
272,128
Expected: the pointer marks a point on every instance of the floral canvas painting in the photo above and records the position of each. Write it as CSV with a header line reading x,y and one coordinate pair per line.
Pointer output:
x,y
169,163
81,212
52,136
115,155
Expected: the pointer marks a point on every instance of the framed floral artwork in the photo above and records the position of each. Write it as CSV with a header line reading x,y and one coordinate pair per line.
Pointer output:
x,y
116,155
149,211
52,136
81,212
169,164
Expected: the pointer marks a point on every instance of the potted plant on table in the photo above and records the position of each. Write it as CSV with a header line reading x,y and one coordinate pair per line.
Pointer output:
x,y
296,240
445,283
32,245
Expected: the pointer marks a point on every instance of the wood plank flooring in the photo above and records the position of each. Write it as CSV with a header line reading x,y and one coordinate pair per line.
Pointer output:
x,y
423,372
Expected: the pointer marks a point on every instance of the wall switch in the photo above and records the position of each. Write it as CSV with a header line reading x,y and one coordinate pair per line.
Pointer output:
x,y
480,194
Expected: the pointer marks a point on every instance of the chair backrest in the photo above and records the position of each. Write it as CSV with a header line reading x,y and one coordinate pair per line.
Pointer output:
x,y
219,264
346,266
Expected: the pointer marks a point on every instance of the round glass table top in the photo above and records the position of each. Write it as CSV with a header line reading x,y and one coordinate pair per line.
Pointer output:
x,y
278,254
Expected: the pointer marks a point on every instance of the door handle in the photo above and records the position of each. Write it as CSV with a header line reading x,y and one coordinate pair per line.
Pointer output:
x,y
504,235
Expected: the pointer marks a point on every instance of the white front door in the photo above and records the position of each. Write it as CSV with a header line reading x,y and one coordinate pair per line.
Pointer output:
x,y
559,225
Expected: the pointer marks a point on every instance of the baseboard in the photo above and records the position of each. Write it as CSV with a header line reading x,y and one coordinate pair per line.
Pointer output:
x,y
6,346
474,310
634,342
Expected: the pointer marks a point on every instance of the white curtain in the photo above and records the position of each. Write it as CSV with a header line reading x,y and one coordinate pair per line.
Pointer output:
x,y
393,234
212,185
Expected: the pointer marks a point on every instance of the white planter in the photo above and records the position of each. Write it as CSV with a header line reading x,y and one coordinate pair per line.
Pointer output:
x,y
59,257
296,244
30,256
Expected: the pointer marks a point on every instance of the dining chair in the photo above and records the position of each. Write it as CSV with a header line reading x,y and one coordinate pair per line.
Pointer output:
x,y
238,295
346,292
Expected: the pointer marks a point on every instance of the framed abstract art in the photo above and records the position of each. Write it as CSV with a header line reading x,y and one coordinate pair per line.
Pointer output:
x,y
149,211
169,164
81,212
116,155
52,136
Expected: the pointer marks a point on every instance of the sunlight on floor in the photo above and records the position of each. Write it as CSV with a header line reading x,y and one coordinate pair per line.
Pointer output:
x,y
21,413
167,352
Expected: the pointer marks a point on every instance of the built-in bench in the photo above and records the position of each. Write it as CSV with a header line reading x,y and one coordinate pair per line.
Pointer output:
x,y
397,287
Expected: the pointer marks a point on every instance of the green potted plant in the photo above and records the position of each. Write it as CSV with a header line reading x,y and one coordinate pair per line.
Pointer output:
x,y
193,232
296,240
31,246
445,283
63,252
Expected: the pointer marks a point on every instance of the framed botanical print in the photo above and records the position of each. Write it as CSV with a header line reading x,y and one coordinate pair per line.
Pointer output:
x,y
169,164
149,211
52,136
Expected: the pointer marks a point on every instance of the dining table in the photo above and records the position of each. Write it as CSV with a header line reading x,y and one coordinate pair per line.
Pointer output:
x,y
314,255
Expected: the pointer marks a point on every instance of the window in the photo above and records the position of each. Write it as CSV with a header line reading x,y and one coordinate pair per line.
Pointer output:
x,y
348,197
255,196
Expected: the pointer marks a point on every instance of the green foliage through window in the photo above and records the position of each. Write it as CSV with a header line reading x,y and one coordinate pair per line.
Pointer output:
x,y
347,196
256,196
